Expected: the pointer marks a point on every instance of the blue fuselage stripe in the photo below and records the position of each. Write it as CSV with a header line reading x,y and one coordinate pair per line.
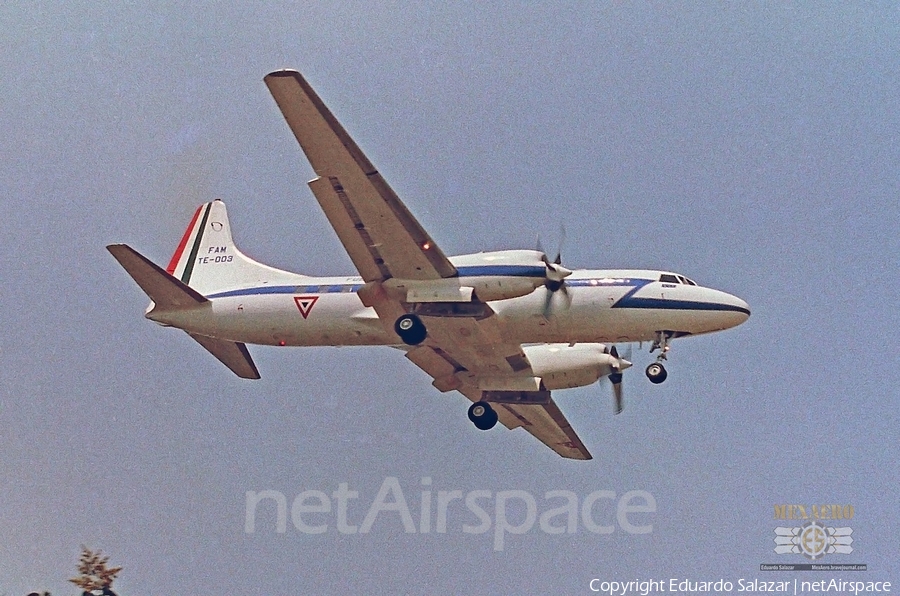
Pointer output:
x,y
626,301
666,304
324,289
501,270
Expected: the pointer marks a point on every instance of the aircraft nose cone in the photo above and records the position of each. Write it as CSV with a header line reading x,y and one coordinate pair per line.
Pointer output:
x,y
741,305
740,310
726,310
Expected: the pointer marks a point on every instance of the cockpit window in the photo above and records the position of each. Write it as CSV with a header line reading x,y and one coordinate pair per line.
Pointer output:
x,y
668,278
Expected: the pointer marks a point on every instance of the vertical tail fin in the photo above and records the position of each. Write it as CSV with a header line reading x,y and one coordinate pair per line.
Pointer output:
x,y
208,261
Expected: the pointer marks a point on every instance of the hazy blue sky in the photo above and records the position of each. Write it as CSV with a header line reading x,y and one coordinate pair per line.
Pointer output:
x,y
752,147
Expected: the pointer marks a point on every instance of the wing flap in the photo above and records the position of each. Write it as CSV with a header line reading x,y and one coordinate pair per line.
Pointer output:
x,y
436,365
477,344
383,238
359,245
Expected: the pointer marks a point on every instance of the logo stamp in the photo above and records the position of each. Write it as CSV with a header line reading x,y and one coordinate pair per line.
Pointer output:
x,y
813,540
818,530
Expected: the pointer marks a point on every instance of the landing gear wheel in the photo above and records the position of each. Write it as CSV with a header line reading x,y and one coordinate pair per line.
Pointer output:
x,y
482,415
411,330
656,372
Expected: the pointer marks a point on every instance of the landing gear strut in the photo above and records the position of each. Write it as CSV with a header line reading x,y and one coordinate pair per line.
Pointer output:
x,y
482,415
656,372
411,329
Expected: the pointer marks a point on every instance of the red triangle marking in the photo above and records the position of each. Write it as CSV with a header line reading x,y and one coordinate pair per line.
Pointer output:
x,y
305,304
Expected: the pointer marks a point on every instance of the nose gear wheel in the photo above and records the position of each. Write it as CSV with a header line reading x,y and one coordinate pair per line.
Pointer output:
x,y
656,372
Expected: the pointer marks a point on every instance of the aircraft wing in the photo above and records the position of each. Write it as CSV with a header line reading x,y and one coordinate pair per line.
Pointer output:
x,y
385,241
475,347
383,238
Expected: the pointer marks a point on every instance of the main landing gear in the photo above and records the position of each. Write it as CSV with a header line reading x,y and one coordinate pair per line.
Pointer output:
x,y
656,372
411,329
482,415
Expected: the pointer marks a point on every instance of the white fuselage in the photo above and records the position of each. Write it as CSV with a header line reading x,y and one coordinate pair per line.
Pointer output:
x,y
605,306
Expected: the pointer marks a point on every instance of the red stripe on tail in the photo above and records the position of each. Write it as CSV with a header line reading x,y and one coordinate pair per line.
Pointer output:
x,y
181,245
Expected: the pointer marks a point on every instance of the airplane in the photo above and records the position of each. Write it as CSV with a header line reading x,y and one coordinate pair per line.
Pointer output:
x,y
503,328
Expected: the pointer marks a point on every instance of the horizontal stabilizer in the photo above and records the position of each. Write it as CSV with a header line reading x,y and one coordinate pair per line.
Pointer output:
x,y
232,354
166,291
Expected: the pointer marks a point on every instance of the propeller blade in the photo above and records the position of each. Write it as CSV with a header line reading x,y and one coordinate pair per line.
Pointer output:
x,y
619,405
562,240
548,302
616,378
552,291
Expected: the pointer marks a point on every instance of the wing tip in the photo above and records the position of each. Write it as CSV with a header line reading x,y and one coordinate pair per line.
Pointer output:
x,y
576,452
283,73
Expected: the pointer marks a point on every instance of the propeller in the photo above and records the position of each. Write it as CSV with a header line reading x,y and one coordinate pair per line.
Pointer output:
x,y
615,377
556,274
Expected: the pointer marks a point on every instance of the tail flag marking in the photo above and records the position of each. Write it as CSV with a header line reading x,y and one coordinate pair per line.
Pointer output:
x,y
180,266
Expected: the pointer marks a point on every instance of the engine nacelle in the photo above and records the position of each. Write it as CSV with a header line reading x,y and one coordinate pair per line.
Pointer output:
x,y
561,366
487,276
501,274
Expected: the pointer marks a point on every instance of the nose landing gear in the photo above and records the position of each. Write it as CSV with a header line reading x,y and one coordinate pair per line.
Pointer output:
x,y
656,372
